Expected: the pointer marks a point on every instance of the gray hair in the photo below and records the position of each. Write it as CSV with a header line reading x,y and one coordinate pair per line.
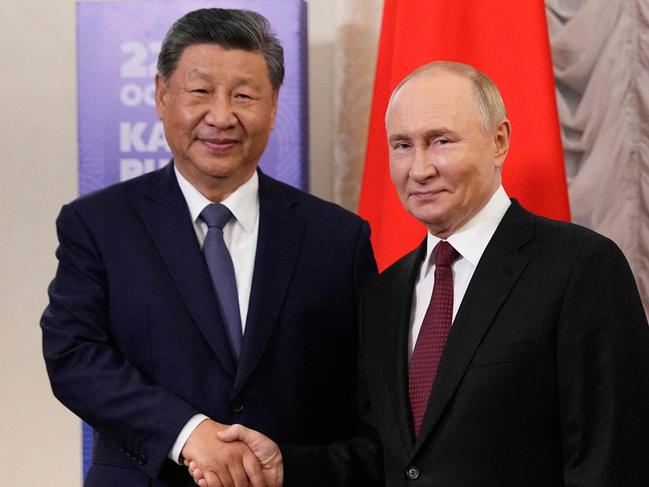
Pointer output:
x,y
489,105
228,28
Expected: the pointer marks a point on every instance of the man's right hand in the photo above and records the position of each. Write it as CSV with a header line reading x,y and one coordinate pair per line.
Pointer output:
x,y
266,452
222,462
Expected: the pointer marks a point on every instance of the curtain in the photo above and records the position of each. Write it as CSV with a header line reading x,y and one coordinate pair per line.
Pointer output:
x,y
355,51
600,52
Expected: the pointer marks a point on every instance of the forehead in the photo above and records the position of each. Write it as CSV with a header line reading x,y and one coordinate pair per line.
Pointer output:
x,y
212,61
432,98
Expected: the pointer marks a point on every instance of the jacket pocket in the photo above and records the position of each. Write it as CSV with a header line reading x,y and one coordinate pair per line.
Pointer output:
x,y
504,353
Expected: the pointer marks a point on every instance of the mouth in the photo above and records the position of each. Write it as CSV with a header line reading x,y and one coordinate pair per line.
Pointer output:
x,y
218,144
426,195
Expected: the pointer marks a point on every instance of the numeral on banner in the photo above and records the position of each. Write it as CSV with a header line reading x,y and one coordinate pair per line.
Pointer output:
x,y
142,59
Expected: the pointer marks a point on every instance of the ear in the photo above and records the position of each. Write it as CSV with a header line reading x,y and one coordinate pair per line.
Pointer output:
x,y
502,135
161,90
274,102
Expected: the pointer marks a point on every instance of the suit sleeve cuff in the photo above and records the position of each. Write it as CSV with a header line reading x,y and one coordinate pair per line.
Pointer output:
x,y
175,452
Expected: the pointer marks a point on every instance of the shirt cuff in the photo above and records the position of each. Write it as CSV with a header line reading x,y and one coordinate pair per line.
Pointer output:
x,y
181,439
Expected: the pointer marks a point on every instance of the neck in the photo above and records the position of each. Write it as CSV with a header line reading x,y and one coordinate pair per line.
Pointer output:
x,y
216,189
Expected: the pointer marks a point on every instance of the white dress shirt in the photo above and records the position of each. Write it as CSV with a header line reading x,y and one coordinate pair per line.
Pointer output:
x,y
240,236
470,241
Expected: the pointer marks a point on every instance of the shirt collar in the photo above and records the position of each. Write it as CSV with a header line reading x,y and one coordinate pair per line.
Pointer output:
x,y
243,202
472,238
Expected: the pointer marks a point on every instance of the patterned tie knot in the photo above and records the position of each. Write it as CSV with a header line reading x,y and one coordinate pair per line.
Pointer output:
x,y
216,215
445,254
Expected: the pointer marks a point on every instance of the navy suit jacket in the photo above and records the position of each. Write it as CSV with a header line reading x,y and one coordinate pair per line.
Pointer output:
x,y
134,343
544,380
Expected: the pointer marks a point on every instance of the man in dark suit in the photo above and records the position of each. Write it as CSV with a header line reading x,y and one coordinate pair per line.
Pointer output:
x,y
508,349
165,323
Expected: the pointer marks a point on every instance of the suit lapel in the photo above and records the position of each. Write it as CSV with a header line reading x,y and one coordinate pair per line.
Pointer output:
x,y
281,230
164,212
498,271
396,304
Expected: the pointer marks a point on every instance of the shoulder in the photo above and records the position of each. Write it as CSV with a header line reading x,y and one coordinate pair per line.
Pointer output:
x,y
554,239
114,208
565,256
574,239
316,209
328,233
114,197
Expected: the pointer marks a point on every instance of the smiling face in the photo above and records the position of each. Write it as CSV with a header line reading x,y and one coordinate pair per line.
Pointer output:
x,y
218,109
444,167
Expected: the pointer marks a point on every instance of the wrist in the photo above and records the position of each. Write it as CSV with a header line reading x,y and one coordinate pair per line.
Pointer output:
x,y
175,453
205,431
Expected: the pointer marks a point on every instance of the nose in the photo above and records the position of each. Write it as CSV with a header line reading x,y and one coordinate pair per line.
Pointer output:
x,y
220,113
423,166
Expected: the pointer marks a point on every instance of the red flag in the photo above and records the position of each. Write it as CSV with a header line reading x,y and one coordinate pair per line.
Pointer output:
x,y
508,41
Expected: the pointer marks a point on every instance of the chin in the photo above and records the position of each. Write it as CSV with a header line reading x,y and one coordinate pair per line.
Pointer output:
x,y
428,216
219,169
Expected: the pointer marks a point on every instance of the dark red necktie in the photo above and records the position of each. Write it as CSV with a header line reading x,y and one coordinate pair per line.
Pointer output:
x,y
433,333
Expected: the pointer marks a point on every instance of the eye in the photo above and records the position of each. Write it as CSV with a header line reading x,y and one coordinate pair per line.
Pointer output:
x,y
400,146
200,91
242,96
441,141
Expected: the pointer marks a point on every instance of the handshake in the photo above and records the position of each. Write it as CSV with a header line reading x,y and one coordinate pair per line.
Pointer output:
x,y
218,455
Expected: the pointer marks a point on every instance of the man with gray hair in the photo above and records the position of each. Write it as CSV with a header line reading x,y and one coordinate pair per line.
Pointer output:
x,y
206,293
507,349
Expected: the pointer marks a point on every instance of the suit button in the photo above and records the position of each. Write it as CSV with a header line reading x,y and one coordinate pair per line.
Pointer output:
x,y
412,473
237,405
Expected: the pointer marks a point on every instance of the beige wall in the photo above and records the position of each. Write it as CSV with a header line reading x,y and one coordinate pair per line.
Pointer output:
x,y
41,440
37,174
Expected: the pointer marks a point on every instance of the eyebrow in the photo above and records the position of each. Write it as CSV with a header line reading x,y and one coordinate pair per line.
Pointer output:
x,y
427,134
244,80
398,137
196,73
